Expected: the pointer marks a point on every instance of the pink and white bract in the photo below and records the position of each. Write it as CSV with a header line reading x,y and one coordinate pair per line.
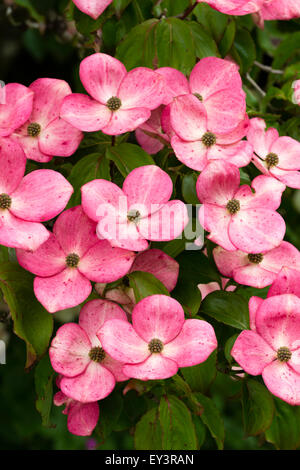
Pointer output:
x,y
71,258
121,101
45,134
25,201
296,88
93,8
139,212
275,156
159,341
237,217
15,107
272,347
88,373
256,270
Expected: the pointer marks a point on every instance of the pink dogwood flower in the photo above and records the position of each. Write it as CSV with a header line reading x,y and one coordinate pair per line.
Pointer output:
x,y
71,258
25,201
237,217
82,417
210,287
139,212
93,8
235,7
272,347
256,270
45,134
121,101
287,282
195,144
153,261
159,341
151,135
296,88
89,373
275,156
15,107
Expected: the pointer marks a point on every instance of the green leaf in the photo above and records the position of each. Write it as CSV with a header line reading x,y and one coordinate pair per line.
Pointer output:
x,y
189,189
87,169
32,322
43,378
212,419
228,38
245,48
111,408
145,284
287,49
201,376
227,307
205,45
148,433
284,431
258,407
174,45
127,157
178,431
212,21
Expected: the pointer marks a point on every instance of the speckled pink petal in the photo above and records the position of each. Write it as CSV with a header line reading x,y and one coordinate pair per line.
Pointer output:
x,y
225,110
120,340
207,289
254,275
93,315
94,384
12,165
148,143
285,254
30,145
158,317
192,154
294,362
254,304
126,120
115,367
146,186
101,76
82,418
228,261
236,134
277,10
252,353
17,233
103,263
69,351
176,83
278,321
64,290
235,7
260,138
45,261
16,109
75,232
267,193
60,139
193,345
216,220
42,195
93,8
288,151
142,88
104,194
156,367
129,236
166,224
49,94
256,230
282,382
287,282
188,117
238,154
288,177
158,263
218,183
84,113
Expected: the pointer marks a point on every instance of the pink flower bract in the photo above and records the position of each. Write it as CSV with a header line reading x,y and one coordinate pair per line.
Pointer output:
x,y
159,341
93,8
236,217
71,258
16,108
272,346
120,101
25,201
89,373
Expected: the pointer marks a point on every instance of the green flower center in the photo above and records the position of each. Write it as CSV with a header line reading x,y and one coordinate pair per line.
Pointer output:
x,y
133,215
114,103
272,160
284,354
209,139
97,354
198,96
233,206
5,201
255,258
72,260
155,346
34,129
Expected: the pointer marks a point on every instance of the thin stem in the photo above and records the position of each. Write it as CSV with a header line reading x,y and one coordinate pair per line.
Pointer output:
x,y
187,11
266,68
255,85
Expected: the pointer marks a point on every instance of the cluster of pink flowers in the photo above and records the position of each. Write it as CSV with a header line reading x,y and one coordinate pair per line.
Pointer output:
x,y
107,237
